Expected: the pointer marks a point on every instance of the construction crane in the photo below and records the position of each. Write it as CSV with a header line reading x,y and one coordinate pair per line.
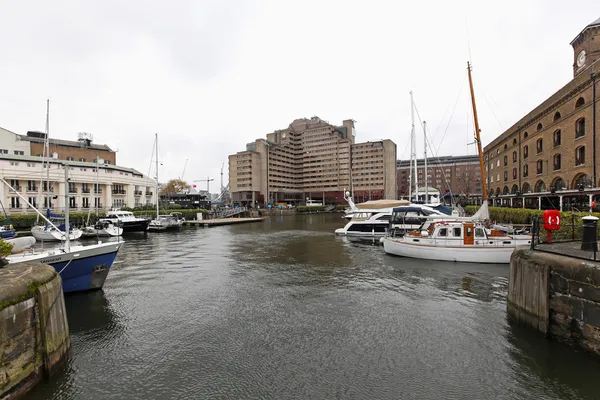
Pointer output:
x,y
222,166
184,166
207,180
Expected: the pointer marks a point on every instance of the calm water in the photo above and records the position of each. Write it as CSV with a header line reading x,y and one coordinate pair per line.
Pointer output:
x,y
284,309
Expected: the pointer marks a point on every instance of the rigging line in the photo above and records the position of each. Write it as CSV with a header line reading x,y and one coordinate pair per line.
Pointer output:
x,y
448,106
451,115
492,110
468,40
433,153
151,159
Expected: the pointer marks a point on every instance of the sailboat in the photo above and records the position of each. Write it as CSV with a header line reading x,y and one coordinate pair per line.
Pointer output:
x,y
51,232
102,227
81,268
162,222
459,239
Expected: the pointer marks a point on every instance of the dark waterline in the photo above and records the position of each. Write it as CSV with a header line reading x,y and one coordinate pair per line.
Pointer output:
x,y
284,309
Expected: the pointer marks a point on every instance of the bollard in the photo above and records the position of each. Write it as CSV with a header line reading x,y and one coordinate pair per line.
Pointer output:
x,y
589,241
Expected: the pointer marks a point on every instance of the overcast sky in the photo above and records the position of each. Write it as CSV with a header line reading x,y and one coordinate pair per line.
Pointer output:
x,y
210,76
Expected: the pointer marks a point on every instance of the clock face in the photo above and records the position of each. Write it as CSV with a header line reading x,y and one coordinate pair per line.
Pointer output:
x,y
283,135
581,58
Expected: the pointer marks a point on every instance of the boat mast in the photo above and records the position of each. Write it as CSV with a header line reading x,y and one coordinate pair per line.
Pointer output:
x,y
477,137
156,146
44,160
413,151
47,148
67,227
425,159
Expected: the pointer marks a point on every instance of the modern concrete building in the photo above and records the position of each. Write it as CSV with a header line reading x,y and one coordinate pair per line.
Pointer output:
x,y
452,175
312,160
549,158
117,186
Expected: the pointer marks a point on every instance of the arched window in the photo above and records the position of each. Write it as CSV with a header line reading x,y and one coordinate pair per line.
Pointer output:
x,y
514,156
540,186
580,127
514,189
526,135
525,151
557,116
557,137
539,127
558,184
525,170
580,155
514,173
556,161
505,146
580,102
539,145
505,161
505,176
514,141
505,191
491,192
580,181
498,192
539,167
526,188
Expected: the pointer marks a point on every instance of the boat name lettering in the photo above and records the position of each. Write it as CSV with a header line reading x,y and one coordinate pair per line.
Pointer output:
x,y
50,260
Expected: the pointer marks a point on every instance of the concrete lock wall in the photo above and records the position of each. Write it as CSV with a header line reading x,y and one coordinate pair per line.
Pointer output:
x,y
558,295
34,334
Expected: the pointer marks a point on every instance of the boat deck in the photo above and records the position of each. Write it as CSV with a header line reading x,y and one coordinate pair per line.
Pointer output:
x,y
207,223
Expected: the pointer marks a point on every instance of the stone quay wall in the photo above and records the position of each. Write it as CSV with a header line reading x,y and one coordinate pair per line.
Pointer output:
x,y
34,334
557,295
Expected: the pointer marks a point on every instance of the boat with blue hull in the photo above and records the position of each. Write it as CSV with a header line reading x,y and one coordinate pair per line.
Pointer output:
x,y
82,268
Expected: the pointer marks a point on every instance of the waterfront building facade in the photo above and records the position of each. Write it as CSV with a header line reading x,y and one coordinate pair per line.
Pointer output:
x,y
312,161
27,173
451,176
549,158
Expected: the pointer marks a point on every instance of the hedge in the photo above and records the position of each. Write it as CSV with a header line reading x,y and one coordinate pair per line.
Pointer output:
x,y
570,227
26,221
304,209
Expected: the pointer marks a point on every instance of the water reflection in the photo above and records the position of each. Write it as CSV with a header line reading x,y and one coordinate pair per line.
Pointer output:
x,y
285,309
560,370
91,314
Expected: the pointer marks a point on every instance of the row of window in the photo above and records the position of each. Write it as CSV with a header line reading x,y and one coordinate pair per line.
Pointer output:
x,y
556,165
580,102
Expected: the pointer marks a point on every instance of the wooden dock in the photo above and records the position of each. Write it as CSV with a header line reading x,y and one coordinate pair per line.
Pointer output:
x,y
207,223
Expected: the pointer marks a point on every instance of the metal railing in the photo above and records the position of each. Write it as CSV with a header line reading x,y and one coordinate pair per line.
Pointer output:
x,y
119,191
576,237
137,192
85,190
72,190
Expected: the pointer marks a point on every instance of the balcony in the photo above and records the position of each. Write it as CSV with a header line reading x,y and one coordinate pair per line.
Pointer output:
x,y
85,190
148,193
97,191
72,190
15,189
119,191
32,189
137,192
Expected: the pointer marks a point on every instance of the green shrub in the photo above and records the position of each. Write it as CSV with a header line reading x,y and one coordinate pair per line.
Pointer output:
x,y
5,248
304,209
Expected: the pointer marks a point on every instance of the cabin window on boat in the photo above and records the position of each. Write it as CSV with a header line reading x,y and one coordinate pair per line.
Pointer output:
x,y
479,232
457,232
443,232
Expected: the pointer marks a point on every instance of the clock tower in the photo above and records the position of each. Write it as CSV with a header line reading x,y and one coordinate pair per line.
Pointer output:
x,y
586,47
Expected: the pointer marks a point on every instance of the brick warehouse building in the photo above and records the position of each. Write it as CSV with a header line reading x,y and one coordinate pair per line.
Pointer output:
x,y
312,160
549,158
